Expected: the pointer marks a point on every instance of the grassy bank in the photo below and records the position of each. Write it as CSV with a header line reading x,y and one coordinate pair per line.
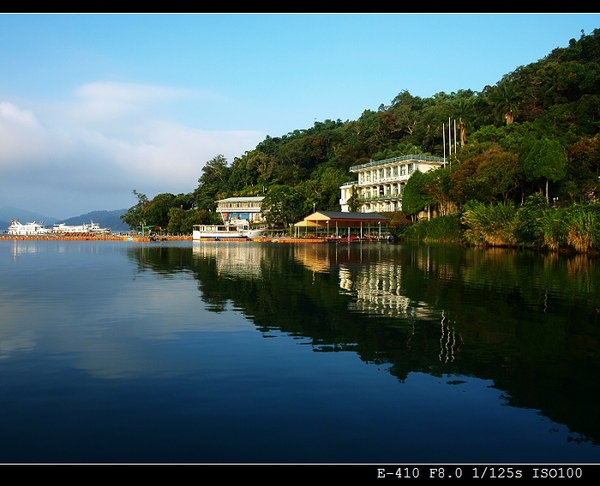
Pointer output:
x,y
532,225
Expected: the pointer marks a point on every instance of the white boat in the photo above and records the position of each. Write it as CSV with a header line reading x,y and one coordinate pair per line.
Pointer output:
x,y
28,229
82,228
234,229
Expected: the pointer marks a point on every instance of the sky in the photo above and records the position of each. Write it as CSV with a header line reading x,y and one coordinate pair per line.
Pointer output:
x,y
95,106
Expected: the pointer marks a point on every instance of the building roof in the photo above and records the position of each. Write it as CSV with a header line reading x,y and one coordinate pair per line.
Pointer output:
x,y
242,199
322,218
419,158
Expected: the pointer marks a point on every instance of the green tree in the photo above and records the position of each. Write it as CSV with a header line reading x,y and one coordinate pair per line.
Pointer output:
x,y
546,160
491,176
213,184
244,174
157,213
283,205
323,188
436,184
416,196
583,167
176,219
135,217
529,222
506,101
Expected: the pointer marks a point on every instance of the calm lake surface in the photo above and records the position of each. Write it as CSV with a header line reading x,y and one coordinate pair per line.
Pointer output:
x,y
200,352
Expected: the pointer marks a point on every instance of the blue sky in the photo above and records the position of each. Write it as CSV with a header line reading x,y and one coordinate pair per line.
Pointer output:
x,y
94,106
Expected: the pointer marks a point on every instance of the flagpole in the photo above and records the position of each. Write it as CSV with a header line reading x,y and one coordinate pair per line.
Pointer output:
x,y
444,142
455,136
449,142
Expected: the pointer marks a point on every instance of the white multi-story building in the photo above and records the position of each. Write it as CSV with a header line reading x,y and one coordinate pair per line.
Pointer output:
x,y
381,183
241,208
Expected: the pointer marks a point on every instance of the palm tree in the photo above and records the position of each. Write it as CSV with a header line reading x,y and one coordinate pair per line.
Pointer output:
x,y
506,100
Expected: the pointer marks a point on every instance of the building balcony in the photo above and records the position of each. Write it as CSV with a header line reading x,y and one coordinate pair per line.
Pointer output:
x,y
385,197
404,158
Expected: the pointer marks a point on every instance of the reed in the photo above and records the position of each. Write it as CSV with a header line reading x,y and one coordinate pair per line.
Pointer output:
x,y
492,225
444,229
583,233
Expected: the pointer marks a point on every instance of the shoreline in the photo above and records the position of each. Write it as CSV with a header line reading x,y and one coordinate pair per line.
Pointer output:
x,y
158,238
93,237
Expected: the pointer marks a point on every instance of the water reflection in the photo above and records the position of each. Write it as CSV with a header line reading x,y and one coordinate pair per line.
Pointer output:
x,y
390,329
241,260
18,248
496,314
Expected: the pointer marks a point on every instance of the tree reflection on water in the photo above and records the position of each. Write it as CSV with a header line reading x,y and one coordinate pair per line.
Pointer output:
x,y
528,322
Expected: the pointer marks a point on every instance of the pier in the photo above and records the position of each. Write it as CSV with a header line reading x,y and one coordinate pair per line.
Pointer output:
x,y
94,237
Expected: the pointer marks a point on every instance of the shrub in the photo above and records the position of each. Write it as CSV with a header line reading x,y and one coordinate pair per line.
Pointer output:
x,y
528,228
491,225
583,229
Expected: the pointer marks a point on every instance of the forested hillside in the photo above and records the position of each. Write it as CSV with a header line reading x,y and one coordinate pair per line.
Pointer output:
x,y
105,219
534,132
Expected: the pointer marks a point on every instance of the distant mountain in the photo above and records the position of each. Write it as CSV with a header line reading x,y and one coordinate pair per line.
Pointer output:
x,y
106,219
8,212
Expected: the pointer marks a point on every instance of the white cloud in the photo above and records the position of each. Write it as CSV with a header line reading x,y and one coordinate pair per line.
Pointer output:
x,y
105,141
21,136
12,114
110,91
109,101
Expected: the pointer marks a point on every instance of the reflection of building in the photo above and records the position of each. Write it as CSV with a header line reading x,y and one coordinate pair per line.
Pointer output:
x,y
378,290
233,259
314,257
241,208
376,286
381,183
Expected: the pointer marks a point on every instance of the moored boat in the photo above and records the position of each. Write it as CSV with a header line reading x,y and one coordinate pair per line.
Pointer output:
x,y
82,228
17,228
238,229
34,230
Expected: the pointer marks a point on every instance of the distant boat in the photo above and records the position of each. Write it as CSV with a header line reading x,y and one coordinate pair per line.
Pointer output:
x,y
234,229
82,228
17,228
28,229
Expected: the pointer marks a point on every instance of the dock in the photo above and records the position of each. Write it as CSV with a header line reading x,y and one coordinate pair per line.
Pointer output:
x,y
139,238
93,237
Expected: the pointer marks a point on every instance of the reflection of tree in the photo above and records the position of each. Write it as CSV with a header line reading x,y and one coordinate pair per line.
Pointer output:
x,y
161,259
469,312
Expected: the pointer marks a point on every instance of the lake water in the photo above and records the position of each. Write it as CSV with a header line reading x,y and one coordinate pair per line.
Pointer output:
x,y
189,352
